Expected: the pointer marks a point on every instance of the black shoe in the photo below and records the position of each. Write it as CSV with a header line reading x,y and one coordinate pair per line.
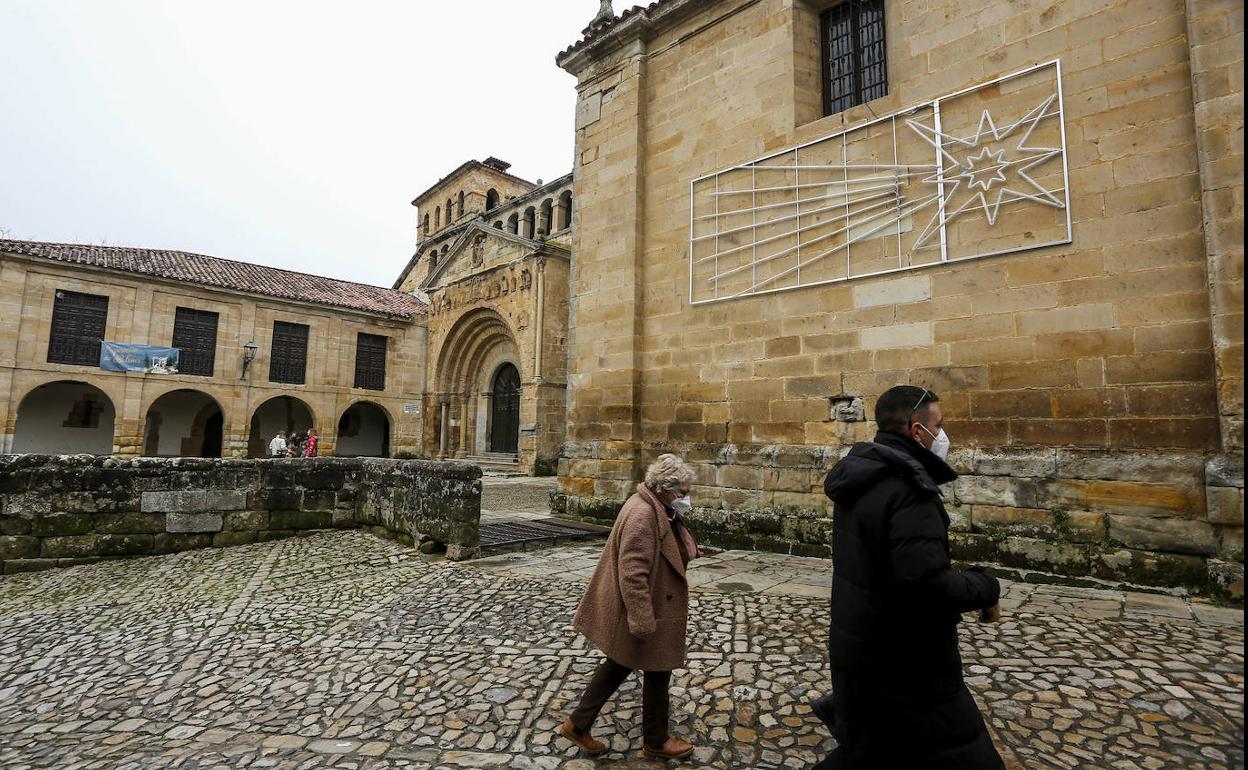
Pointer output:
x,y
823,709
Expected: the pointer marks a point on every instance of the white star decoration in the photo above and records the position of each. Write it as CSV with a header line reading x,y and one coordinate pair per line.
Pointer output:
x,y
987,169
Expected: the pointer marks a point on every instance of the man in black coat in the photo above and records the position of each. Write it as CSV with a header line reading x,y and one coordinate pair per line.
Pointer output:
x,y
898,701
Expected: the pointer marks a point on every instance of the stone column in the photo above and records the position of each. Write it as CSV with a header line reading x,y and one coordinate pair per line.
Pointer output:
x,y
444,440
603,340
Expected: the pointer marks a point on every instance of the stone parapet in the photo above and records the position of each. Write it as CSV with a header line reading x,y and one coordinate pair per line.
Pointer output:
x,y
1151,518
64,510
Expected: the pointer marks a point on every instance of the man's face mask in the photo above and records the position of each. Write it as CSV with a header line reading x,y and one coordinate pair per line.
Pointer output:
x,y
940,442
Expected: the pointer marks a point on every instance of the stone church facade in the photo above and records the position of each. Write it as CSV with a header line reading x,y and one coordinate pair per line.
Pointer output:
x,y
1093,386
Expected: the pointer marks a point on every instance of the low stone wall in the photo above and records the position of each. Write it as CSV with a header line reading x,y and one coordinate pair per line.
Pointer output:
x,y
64,510
1172,519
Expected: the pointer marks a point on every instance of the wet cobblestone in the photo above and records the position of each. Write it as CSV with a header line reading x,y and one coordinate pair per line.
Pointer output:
x,y
347,651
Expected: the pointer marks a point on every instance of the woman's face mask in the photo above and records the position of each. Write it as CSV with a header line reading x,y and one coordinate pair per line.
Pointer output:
x,y
682,505
940,442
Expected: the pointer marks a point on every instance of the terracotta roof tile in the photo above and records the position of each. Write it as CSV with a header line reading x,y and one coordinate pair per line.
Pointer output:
x,y
228,274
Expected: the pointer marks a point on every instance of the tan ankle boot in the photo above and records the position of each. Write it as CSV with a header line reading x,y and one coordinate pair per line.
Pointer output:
x,y
588,744
674,748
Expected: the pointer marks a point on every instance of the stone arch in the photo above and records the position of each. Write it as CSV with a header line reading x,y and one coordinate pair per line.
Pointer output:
x,y
286,413
364,431
437,216
491,199
183,422
426,224
459,205
530,222
477,345
546,217
513,224
65,417
449,208
565,210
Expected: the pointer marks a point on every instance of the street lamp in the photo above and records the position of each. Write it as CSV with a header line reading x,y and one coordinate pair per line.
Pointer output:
x,y
249,355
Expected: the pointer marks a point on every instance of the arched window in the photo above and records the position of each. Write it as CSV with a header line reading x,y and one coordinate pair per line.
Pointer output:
x,y
565,209
513,224
437,216
530,222
448,213
445,247
459,207
426,233
498,224
491,199
546,221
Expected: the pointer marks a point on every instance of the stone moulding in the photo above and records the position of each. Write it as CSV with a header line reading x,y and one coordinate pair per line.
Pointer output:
x,y
75,509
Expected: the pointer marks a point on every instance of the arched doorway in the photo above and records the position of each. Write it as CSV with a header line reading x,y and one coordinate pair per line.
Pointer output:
x,y
363,431
65,418
505,410
183,423
281,413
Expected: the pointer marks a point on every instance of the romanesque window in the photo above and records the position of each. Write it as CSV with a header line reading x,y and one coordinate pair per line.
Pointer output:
x,y
546,219
437,216
513,224
370,361
565,209
288,361
491,199
448,213
78,322
459,205
426,225
195,334
854,68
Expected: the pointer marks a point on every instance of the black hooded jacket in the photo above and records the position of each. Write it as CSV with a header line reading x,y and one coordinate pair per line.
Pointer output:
x,y
896,600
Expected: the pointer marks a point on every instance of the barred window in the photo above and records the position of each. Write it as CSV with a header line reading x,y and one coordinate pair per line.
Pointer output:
x,y
370,361
78,323
288,360
195,334
854,68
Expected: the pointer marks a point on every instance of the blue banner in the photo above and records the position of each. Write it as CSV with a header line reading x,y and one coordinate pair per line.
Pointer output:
x,y
124,357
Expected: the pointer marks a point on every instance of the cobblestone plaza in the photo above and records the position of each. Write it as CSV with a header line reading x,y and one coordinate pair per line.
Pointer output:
x,y
340,649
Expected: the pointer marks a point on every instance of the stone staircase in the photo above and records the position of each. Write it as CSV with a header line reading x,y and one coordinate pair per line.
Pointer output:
x,y
496,463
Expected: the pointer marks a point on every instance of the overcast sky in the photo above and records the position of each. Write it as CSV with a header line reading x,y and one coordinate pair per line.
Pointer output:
x,y
289,133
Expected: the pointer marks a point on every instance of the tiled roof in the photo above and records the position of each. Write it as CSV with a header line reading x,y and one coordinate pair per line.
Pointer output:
x,y
227,274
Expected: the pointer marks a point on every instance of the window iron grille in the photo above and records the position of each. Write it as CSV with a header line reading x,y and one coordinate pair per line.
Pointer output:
x,y
854,61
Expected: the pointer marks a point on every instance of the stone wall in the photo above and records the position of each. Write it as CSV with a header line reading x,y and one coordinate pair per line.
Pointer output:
x,y
1103,351
65,510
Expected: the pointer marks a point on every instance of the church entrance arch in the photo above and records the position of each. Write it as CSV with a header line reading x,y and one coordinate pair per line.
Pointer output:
x,y
478,364
505,410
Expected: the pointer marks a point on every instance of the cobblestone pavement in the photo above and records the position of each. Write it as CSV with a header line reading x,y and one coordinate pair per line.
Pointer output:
x,y
343,650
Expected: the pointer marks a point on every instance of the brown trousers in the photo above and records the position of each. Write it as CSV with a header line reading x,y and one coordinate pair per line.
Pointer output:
x,y
655,705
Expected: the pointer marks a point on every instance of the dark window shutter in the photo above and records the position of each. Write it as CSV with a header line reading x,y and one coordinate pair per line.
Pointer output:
x,y
195,333
78,324
288,361
370,361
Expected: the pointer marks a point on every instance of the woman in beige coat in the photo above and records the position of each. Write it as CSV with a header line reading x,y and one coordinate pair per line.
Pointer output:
x,y
636,608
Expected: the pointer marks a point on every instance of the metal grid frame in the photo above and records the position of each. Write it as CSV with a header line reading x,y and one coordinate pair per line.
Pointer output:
x,y
934,173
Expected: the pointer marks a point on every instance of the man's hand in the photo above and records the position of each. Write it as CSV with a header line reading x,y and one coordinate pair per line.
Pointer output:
x,y
990,614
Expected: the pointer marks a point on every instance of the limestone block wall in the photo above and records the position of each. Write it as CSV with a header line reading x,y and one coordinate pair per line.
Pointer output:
x,y
66,510
1108,366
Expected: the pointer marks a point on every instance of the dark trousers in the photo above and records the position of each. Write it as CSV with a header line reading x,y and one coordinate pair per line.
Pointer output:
x,y
654,701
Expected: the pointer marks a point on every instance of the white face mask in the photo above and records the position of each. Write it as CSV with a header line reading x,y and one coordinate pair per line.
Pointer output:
x,y
682,505
940,442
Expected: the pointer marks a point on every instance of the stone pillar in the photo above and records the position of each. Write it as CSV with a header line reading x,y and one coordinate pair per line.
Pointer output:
x,y
603,340
1216,43
444,440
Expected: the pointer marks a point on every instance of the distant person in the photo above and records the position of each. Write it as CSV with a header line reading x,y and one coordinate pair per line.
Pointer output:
x,y
636,608
311,445
294,447
898,700
277,447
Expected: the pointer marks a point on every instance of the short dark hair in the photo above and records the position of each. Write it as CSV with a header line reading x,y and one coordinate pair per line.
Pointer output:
x,y
898,405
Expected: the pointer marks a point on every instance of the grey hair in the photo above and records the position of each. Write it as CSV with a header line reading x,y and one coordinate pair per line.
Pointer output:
x,y
667,473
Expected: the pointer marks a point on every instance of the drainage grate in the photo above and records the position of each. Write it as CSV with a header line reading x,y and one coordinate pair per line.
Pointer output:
x,y
516,532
